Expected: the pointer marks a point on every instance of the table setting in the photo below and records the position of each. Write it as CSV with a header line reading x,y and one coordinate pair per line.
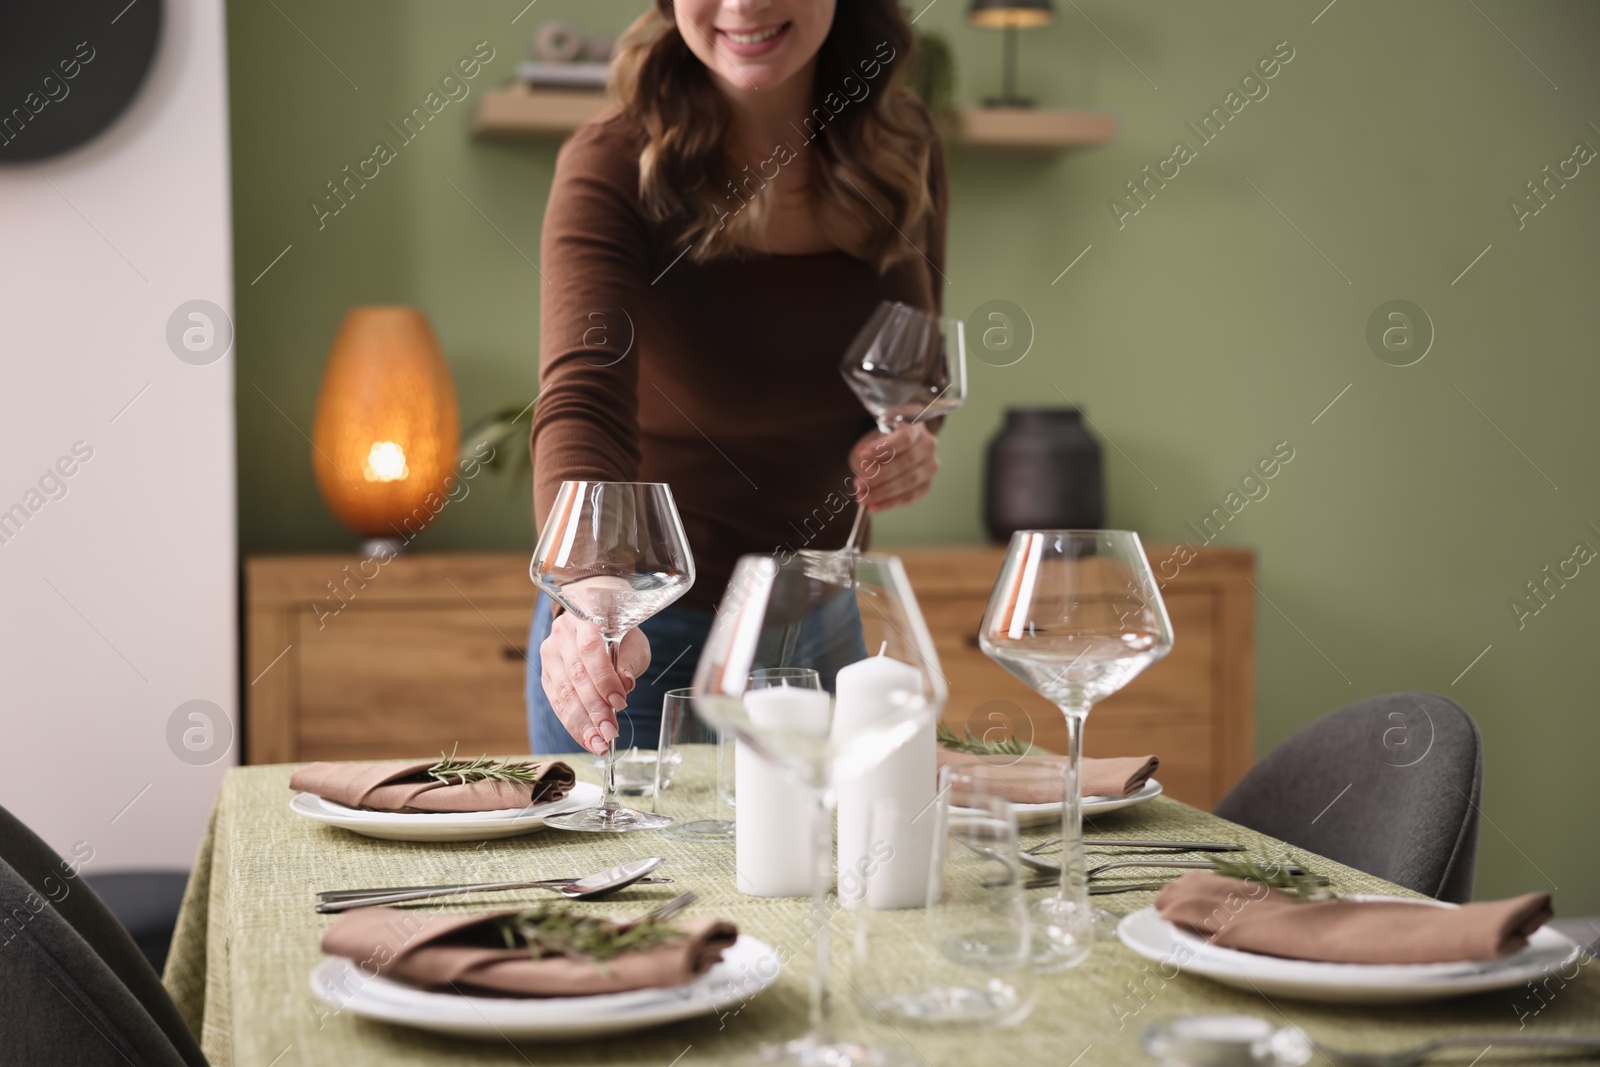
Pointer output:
x,y
811,867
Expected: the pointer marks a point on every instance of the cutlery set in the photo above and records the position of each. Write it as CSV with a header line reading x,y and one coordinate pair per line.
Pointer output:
x,y
1051,872
589,887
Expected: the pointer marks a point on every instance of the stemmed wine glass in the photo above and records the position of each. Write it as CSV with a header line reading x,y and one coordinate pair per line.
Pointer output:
x,y
1076,615
613,554
906,365
790,613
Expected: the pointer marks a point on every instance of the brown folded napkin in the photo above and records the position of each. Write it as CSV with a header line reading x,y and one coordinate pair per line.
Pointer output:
x,y
1121,776
407,787
1253,918
445,951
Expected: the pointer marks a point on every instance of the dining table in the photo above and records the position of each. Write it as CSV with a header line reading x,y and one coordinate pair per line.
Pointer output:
x,y
248,938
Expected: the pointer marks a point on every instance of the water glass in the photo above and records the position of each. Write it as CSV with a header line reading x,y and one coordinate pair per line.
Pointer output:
x,y
1063,921
693,779
965,957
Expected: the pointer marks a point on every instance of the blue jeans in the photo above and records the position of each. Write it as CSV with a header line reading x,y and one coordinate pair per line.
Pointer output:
x,y
828,639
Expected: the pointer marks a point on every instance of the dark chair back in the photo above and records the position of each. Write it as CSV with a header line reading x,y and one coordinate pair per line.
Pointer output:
x,y
1390,786
76,987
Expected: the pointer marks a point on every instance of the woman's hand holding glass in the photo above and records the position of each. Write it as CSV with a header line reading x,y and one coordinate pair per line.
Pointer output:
x,y
584,688
895,469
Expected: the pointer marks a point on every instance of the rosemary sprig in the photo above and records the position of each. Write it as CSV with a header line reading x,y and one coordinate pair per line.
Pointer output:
x,y
1009,746
1282,875
551,930
453,771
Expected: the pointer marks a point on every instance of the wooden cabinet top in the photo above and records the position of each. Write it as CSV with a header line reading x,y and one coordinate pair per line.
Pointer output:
x,y
940,569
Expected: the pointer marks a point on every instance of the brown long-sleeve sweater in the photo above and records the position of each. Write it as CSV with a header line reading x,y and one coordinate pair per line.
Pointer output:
x,y
720,379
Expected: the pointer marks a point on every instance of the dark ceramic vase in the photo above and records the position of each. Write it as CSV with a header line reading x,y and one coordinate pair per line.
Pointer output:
x,y
1044,474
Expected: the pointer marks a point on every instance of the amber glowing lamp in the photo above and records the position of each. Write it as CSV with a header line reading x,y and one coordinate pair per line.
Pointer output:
x,y
387,429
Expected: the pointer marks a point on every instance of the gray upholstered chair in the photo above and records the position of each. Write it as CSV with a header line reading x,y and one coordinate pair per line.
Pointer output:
x,y
76,988
1389,786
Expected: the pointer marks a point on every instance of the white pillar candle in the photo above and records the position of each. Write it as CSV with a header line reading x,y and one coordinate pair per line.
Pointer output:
x,y
772,820
891,873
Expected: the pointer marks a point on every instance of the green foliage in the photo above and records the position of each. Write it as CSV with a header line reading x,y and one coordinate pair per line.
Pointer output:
x,y
1009,746
505,430
552,930
453,771
1295,878
933,78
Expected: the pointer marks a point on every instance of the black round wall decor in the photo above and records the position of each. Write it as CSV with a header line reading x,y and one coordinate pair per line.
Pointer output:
x,y
67,70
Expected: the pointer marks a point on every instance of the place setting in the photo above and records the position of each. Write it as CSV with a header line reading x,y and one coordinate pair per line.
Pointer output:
x,y
448,799
1281,932
545,973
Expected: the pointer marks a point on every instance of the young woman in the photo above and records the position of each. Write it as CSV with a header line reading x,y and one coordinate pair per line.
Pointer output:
x,y
711,245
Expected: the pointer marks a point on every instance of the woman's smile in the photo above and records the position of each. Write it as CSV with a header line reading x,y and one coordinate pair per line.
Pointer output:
x,y
750,42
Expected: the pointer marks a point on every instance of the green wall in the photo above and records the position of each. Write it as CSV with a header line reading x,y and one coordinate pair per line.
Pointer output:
x,y
1213,325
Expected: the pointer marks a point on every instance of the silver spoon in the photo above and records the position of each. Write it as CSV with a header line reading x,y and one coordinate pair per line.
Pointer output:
x,y
587,888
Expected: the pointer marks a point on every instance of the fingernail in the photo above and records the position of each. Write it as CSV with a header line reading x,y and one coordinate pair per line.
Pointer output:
x,y
598,746
617,701
608,731
593,741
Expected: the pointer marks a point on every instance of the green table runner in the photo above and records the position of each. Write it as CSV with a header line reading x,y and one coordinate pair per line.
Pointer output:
x,y
248,936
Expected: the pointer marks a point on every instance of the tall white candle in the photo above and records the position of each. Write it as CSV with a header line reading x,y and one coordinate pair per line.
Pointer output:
x,y
891,873
772,820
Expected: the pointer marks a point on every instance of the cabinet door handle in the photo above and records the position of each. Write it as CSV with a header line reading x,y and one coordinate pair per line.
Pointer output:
x,y
512,652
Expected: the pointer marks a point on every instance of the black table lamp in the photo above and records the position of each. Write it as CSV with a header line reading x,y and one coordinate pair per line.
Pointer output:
x,y
1010,16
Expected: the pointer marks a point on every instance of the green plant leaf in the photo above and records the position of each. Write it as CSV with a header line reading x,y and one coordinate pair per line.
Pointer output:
x,y
1009,746
553,930
453,771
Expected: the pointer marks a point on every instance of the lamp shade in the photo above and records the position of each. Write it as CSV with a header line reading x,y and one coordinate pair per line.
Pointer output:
x,y
387,430
1005,14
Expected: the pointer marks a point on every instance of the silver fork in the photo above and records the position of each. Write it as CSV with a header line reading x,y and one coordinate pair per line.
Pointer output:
x,y
673,906
1411,1057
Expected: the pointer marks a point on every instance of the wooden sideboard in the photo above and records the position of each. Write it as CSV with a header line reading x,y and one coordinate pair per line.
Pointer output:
x,y
352,659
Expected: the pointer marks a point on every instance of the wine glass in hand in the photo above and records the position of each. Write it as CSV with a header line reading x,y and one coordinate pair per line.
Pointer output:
x,y
1076,615
613,554
907,366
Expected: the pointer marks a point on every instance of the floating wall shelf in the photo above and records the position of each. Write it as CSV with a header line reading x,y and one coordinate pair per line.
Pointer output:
x,y
523,112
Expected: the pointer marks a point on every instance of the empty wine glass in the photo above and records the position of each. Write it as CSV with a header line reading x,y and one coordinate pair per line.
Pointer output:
x,y
790,613
613,554
1076,615
906,365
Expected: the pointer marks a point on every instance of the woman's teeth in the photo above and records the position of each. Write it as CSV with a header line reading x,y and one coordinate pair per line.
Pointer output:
x,y
753,38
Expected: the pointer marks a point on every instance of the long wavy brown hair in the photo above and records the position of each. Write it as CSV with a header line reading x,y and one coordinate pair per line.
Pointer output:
x,y
870,139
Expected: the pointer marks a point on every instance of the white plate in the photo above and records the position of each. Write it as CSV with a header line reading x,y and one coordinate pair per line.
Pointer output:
x,y
428,826
1154,938
1035,815
748,966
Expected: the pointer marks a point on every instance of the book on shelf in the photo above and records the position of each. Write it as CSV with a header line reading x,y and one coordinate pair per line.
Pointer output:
x,y
564,75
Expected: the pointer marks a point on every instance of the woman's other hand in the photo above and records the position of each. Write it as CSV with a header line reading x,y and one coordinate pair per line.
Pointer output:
x,y
583,687
896,469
